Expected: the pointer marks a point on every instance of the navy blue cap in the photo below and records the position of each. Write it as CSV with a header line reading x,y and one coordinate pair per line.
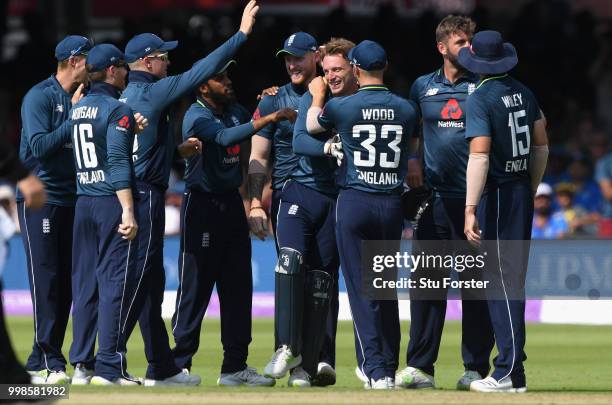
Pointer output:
x,y
104,55
488,54
145,44
368,55
72,45
299,44
226,66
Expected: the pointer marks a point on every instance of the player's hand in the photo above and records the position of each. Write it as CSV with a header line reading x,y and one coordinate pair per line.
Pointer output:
x,y
471,228
258,222
141,123
318,86
284,114
248,17
78,94
333,148
189,148
270,91
128,227
33,192
415,173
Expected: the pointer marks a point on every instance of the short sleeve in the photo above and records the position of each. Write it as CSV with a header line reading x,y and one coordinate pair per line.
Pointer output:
x,y
477,119
415,89
266,106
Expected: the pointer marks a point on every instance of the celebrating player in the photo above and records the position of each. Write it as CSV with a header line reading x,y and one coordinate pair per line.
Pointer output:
x,y
47,232
508,153
441,97
271,147
374,126
151,92
215,243
306,237
104,260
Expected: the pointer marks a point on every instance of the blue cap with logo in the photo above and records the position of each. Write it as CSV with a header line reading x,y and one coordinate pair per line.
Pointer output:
x,y
368,55
299,44
72,45
142,45
104,55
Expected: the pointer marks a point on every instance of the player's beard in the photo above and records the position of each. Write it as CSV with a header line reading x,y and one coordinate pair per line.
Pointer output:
x,y
224,98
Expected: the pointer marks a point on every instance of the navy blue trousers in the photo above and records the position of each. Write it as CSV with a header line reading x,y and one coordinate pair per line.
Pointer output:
x,y
104,279
444,220
306,223
147,305
215,250
362,216
47,239
505,214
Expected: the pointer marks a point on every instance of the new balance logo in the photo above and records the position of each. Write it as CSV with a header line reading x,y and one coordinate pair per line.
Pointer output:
x,y
293,209
431,92
46,225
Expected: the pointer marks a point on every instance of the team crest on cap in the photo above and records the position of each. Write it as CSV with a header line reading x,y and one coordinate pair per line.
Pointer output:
x,y
290,40
471,88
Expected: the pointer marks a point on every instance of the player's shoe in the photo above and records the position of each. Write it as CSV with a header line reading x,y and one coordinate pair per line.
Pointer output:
x,y
281,362
183,379
299,378
467,378
362,377
101,381
82,375
249,377
326,375
386,383
490,384
49,377
413,378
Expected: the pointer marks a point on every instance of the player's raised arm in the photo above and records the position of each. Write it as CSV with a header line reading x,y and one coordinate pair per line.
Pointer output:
x,y
317,87
539,152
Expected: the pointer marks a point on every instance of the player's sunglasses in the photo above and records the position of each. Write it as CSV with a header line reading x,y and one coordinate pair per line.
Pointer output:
x,y
164,57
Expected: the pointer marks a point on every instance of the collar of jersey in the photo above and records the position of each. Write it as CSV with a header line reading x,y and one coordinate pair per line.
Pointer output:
x,y
491,78
140,76
104,88
202,103
59,86
375,87
467,76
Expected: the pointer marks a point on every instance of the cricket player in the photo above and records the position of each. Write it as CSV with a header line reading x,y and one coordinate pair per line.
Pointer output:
x,y
45,151
306,233
441,97
271,147
374,126
151,92
104,258
508,154
215,242
34,195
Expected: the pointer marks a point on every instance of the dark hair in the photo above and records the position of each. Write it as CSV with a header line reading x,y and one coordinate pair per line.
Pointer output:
x,y
337,46
98,76
451,24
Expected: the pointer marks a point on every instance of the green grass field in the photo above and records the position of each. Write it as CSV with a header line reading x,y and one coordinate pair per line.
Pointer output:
x,y
566,364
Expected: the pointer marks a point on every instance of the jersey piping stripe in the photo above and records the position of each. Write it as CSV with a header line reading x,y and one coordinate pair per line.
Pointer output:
x,y
119,337
178,305
491,78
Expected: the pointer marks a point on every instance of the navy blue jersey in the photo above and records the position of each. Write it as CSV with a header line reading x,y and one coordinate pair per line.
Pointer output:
x,y
505,110
154,147
314,169
45,148
280,133
374,126
217,169
442,105
103,135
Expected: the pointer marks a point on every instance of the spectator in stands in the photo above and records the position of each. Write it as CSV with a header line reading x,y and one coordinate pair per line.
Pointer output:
x,y
545,225
588,195
603,175
579,221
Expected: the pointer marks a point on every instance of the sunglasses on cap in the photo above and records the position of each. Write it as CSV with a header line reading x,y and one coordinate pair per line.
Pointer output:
x,y
164,57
